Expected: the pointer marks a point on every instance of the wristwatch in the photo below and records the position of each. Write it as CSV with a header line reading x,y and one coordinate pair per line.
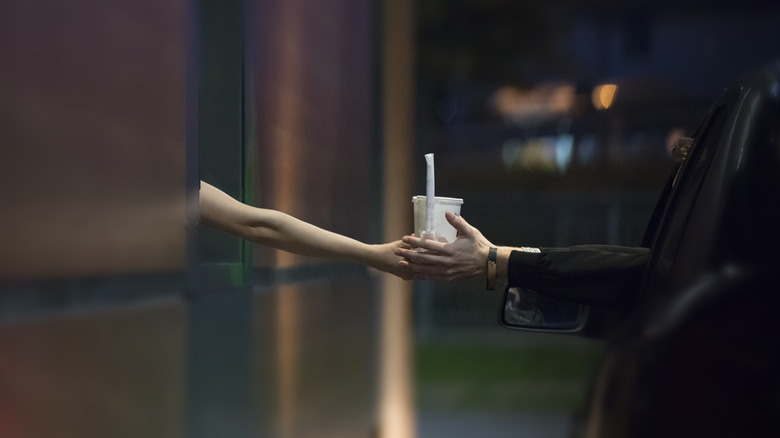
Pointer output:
x,y
491,268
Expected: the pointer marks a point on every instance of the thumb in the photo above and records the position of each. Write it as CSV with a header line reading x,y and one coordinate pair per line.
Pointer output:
x,y
460,224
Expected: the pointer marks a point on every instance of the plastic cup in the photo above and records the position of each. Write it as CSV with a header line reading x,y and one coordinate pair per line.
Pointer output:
x,y
443,228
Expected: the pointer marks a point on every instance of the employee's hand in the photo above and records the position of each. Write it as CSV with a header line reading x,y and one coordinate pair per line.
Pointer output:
x,y
465,258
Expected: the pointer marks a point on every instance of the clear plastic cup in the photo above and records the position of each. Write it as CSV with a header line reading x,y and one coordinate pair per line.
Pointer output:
x,y
443,229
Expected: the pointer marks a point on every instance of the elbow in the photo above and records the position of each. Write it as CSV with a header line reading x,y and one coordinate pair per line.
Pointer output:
x,y
261,231
253,233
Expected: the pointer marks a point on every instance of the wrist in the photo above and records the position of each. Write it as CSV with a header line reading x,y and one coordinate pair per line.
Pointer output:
x,y
374,255
502,264
481,262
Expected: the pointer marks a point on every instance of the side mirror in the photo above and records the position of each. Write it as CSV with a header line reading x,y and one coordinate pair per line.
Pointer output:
x,y
524,309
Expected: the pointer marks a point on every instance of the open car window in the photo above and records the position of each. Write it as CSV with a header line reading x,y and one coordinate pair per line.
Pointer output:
x,y
684,194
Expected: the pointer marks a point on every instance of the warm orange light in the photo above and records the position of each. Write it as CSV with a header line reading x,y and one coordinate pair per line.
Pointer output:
x,y
603,96
544,101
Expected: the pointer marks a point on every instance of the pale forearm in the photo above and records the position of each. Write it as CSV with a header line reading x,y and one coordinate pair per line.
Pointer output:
x,y
279,230
282,231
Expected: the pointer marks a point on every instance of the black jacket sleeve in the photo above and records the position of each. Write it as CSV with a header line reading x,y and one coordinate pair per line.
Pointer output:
x,y
589,274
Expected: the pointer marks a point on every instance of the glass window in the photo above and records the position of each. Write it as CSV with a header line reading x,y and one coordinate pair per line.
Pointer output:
x,y
687,189
313,101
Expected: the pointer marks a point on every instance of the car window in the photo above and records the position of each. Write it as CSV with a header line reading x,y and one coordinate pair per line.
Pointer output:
x,y
683,197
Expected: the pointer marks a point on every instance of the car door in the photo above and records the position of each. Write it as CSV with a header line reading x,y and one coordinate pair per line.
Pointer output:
x,y
699,356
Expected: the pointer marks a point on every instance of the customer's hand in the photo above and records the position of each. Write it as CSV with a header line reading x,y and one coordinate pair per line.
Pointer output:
x,y
385,259
465,258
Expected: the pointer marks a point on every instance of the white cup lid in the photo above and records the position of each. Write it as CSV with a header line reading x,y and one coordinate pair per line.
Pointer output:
x,y
440,199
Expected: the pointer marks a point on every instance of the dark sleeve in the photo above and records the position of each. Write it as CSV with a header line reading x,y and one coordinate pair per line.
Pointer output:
x,y
590,274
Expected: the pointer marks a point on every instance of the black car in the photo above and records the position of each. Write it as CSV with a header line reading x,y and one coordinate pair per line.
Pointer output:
x,y
698,352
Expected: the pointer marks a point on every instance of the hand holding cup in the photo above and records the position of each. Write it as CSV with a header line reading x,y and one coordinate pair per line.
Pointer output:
x,y
463,258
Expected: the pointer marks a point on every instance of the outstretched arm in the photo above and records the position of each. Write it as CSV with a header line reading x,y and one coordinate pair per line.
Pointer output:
x,y
588,273
279,230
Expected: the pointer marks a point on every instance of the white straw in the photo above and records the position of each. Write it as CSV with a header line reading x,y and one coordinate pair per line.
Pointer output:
x,y
430,197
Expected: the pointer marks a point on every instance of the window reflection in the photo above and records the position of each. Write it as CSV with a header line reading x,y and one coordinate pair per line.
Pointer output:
x,y
92,128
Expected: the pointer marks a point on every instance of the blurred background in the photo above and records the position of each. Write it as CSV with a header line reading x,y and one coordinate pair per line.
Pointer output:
x,y
120,316
553,120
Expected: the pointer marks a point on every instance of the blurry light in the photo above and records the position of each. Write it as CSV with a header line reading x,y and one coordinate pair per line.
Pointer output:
x,y
548,153
564,144
603,96
542,102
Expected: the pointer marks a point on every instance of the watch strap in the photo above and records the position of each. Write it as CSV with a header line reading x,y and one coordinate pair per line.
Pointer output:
x,y
491,268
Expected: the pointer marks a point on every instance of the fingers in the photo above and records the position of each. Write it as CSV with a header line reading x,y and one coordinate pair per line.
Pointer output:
x,y
401,244
460,224
427,265
428,244
421,257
